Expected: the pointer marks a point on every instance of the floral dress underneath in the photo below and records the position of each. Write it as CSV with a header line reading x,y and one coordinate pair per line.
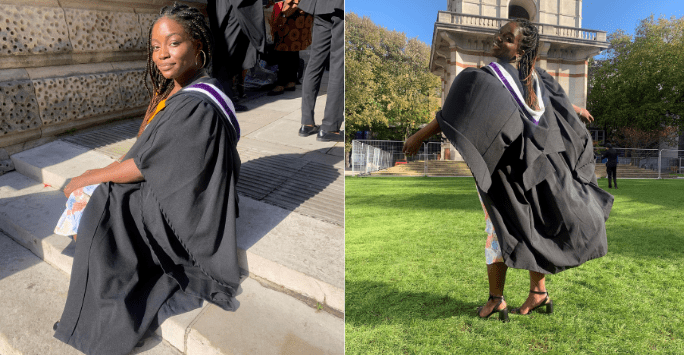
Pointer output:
x,y
76,203
492,248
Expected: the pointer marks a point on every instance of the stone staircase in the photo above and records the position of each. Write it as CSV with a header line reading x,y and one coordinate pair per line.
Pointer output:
x,y
460,168
627,172
291,297
434,168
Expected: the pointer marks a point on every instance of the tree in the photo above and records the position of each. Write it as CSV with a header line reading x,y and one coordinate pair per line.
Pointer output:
x,y
639,86
388,87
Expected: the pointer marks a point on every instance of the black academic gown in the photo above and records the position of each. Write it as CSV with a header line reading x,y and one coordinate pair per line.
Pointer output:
x,y
152,249
537,182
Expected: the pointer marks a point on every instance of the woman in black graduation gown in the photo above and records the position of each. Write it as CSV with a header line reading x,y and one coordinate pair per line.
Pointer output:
x,y
533,163
158,234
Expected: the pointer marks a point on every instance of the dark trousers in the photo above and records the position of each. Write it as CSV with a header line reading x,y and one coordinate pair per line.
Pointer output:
x,y
288,63
612,173
233,52
327,42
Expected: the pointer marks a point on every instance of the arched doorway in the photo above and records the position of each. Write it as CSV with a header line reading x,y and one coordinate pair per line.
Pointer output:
x,y
526,9
515,11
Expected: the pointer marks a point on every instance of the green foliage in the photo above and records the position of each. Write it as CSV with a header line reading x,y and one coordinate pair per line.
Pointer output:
x,y
415,275
640,83
388,87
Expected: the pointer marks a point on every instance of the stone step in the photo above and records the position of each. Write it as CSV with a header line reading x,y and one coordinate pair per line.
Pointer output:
x,y
33,295
297,255
303,255
267,322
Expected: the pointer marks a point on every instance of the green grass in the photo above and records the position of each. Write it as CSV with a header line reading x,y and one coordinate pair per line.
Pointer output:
x,y
415,274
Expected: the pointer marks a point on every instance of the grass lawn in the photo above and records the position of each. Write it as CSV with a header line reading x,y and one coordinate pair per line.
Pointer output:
x,y
415,274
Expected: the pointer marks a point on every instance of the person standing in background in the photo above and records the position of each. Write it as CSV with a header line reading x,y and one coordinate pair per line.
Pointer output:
x,y
611,165
239,34
327,42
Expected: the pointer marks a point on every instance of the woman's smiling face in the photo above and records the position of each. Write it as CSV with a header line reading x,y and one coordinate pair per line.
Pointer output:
x,y
507,42
173,51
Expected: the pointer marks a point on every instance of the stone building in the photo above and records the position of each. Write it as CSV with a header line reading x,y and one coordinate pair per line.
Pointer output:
x,y
68,64
464,34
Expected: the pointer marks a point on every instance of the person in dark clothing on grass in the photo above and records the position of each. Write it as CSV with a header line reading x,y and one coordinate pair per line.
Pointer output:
x,y
611,165
533,163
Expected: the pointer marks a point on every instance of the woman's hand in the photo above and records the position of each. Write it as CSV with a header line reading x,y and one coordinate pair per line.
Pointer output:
x,y
412,144
289,7
74,184
585,116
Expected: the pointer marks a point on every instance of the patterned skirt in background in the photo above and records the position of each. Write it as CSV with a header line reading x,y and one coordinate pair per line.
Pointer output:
x,y
492,248
76,203
292,33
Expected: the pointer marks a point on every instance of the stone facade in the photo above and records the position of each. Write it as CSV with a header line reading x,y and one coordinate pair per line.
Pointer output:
x,y
71,63
464,35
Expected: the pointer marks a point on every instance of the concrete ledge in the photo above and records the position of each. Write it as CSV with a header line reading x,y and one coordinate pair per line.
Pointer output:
x,y
55,163
28,211
302,254
33,296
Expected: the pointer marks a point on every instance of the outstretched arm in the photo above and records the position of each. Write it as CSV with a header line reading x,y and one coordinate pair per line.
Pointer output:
x,y
124,172
412,144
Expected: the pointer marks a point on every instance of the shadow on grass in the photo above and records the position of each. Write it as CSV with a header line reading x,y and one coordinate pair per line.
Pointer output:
x,y
372,303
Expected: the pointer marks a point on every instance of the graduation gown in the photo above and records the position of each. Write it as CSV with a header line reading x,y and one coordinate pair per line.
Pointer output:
x,y
152,249
537,181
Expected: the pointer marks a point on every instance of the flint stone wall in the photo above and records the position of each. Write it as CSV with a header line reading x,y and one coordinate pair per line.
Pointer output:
x,y
70,64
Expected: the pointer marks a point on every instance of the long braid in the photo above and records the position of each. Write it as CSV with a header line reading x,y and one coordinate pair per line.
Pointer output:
x,y
196,26
529,42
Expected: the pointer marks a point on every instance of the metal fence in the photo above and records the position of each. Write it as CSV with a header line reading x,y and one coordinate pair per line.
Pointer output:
x,y
385,157
370,156
646,163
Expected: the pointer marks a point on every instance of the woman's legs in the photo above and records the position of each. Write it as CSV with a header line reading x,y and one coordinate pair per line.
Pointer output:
x,y
496,273
537,284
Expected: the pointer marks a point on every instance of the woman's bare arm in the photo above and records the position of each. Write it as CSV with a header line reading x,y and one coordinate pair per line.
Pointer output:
x,y
413,143
124,172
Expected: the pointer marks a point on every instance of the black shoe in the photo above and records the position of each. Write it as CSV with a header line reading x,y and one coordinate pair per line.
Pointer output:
x,y
503,313
546,302
54,327
329,136
306,131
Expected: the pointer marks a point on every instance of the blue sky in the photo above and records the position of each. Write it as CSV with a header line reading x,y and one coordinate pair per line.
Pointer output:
x,y
417,18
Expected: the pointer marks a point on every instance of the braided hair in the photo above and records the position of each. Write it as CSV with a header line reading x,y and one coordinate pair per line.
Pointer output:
x,y
529,43
196,26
